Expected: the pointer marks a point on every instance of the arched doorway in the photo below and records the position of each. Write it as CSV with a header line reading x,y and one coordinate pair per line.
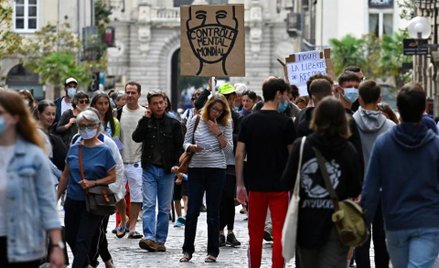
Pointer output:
x,y
20,78
182,87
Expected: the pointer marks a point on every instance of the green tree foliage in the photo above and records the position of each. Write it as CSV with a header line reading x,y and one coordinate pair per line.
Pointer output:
x,y
9,41
65,65
53,53
347,51
102,14
372,48
392,58
379,58
407,9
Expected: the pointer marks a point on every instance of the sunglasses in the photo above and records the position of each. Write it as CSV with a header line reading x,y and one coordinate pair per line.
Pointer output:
x,y
83,101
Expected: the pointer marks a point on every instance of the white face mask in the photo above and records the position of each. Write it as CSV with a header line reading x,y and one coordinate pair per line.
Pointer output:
x,y
88,133
71,91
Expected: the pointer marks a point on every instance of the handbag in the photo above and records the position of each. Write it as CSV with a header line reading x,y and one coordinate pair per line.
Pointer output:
x,y
289,230
99,200
185,157
348,217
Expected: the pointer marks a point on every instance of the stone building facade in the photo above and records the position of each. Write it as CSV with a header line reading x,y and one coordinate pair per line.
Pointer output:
x,y
30,16
148,41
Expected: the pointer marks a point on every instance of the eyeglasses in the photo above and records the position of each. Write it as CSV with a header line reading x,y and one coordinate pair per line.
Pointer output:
x,y
87,127
83,101
220,111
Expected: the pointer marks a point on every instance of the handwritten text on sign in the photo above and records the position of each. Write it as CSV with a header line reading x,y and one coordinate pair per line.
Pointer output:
x,y
211,43
306,65
212,40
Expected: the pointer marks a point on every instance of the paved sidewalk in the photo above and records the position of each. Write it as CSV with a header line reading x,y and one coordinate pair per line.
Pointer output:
x,y
126,252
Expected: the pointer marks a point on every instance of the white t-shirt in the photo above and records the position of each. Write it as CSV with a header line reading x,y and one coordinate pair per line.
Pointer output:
x,y
6,152
128,122
65,105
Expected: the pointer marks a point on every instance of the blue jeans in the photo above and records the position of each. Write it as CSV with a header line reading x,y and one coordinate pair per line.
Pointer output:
x,y
157,186
413,248
212,181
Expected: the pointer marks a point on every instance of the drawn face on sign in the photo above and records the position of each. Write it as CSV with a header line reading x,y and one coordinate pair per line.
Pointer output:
x,y
212,34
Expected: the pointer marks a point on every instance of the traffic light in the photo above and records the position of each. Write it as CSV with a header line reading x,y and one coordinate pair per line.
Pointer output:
x,y
109,36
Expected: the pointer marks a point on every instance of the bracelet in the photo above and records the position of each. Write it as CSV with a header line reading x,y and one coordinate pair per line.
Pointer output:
x,y
219,134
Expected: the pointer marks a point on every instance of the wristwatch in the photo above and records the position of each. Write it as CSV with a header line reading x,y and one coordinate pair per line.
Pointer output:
x,y
60,245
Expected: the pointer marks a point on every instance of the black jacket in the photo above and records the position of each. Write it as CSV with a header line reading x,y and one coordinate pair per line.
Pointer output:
x,y
172,147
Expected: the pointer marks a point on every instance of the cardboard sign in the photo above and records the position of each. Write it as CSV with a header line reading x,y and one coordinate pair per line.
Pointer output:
x,y
212,40
302,65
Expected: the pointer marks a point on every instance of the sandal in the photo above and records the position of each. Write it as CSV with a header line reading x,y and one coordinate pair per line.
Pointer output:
x,y
120,231
186,257
210,259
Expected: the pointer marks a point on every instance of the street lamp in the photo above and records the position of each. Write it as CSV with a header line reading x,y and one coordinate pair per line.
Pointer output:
x,y
419,29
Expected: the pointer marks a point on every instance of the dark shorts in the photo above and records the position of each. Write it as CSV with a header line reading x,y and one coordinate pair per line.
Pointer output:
x,y
180,191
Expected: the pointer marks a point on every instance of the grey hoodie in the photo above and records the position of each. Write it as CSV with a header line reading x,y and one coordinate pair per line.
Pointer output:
x,y
370,125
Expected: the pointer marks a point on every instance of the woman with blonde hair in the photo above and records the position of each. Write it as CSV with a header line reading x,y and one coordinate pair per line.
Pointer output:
x,y
207,171
27,196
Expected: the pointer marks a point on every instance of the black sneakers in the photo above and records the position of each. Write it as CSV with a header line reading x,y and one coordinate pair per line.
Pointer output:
x,y
267,236
232,241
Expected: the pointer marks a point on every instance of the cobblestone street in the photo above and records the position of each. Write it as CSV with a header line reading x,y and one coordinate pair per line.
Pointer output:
x,y
126,252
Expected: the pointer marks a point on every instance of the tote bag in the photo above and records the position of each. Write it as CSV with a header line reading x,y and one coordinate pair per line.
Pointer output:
x,y
289,230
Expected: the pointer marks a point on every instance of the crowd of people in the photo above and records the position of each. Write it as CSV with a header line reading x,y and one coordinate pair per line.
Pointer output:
x,y
244,149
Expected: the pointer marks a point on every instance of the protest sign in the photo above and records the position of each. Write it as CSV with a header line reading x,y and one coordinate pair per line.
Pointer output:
x,y
302,65
212,40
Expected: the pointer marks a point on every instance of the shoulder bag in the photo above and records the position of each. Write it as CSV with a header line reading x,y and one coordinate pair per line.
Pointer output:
x,y
185,157
289,230
99,200
348,217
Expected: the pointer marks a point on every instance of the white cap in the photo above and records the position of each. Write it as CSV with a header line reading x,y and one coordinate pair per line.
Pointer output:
x,y
71,80
240,87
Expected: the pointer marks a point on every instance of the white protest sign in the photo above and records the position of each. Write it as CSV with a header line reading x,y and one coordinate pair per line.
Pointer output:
x,y
305,65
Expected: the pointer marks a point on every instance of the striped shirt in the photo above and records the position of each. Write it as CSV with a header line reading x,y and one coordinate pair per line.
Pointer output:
x,y
212,156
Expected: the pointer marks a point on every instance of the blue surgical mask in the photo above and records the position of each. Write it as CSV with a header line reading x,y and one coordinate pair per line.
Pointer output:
x,y
71,91
2,125
282,106
351,94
